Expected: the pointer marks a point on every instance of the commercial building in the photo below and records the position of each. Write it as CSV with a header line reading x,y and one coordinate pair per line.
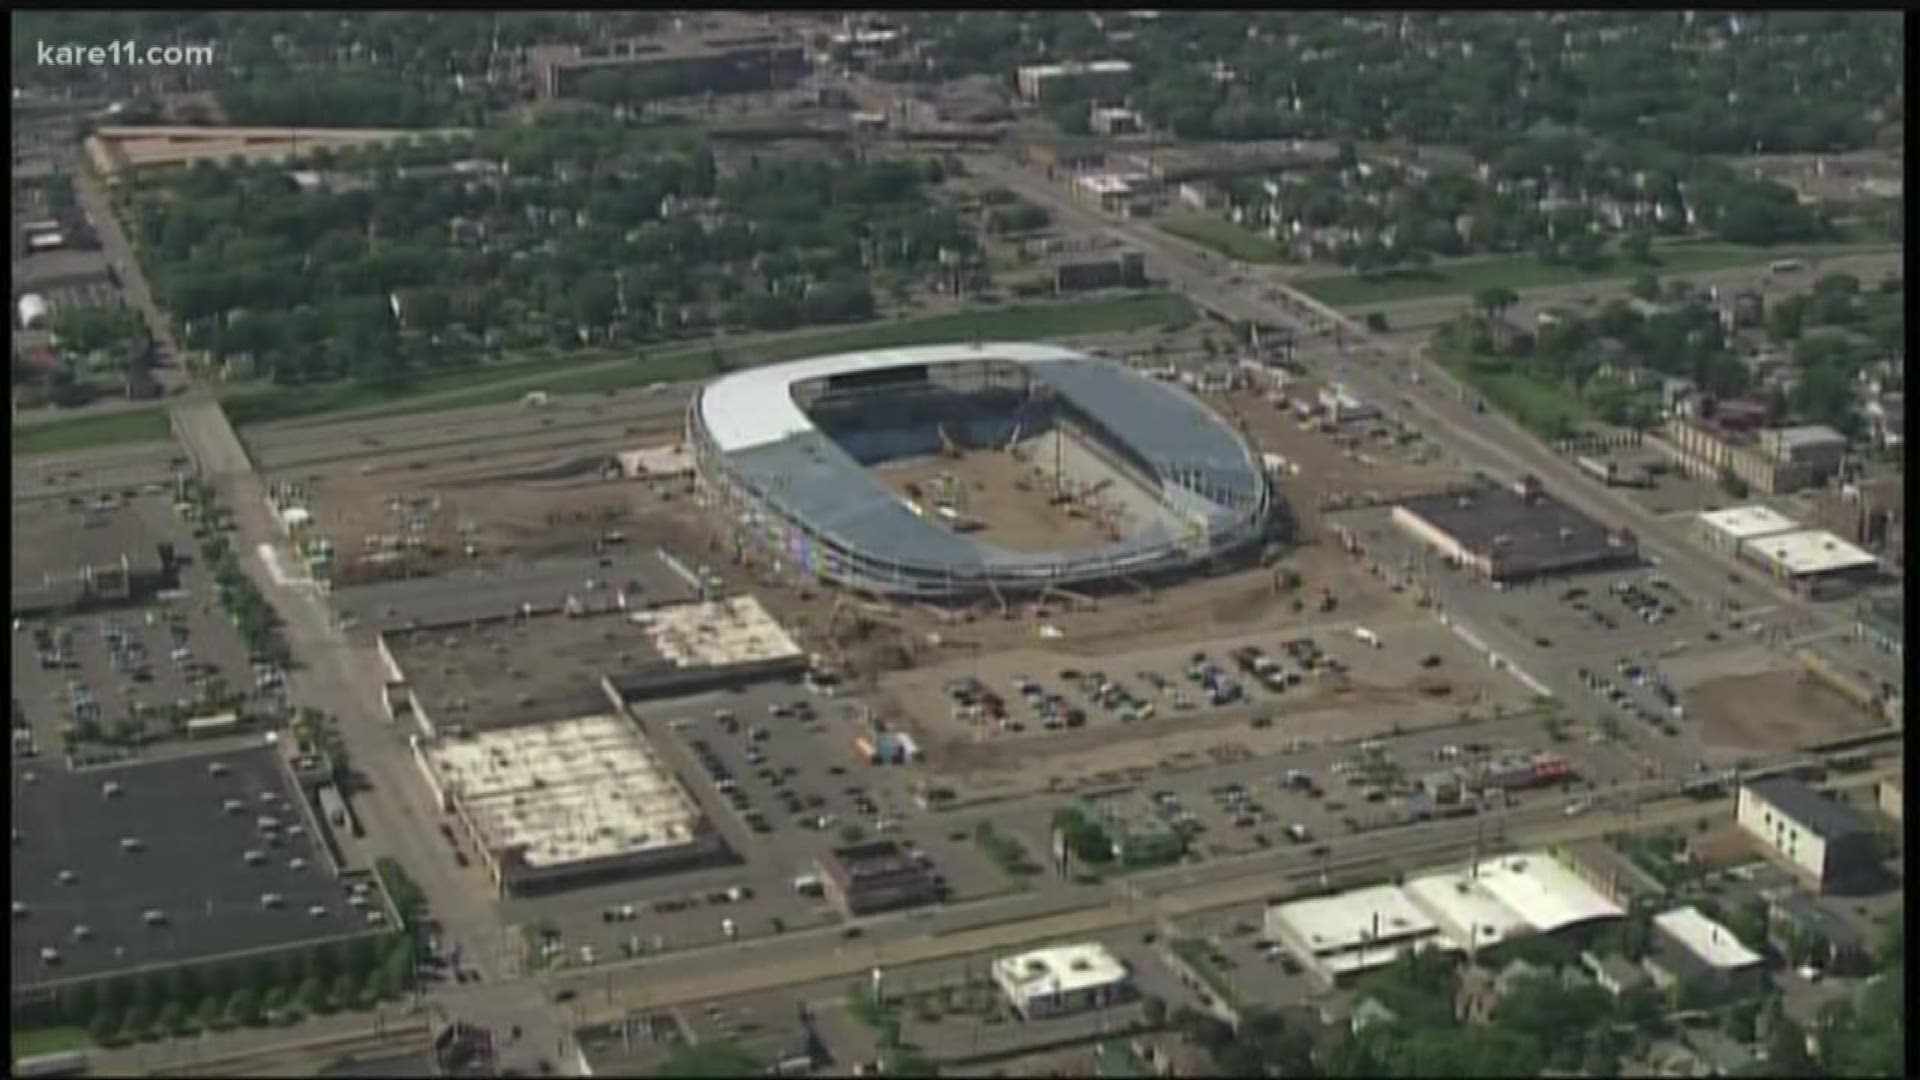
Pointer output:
x,y
77,557
1465,909
1730,531
1100,80
1127,271
186,860
1509,534
674,67
1708,438
1890,797
1814,562
566,802
878,875
1688,947
1882,623
1825,843
1062,980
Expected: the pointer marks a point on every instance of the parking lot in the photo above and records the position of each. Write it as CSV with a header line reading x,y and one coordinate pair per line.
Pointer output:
x,y
138,672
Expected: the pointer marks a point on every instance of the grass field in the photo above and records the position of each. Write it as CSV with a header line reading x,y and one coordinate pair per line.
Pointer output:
x,y
1223,236
91,432
593,374
30,1042
1526,272
1544,408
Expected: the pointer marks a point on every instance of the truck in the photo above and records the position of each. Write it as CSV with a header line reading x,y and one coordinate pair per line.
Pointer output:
x,y
1367,637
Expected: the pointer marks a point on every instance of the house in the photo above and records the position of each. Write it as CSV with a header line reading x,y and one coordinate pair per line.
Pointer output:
x,y
1799,927
1613,973
1688,947
1825,843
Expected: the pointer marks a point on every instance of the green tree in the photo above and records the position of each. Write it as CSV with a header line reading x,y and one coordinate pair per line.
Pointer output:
x,y
244,1006
138,1021
173,1016
1493,302
210,1012
719,1058
1637,246
1377,322
105,1025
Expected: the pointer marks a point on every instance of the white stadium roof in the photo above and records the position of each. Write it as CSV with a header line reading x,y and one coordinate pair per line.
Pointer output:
x,y
1748,522
756,407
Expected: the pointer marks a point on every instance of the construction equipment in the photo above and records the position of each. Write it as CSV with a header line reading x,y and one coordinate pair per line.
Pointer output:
x,y
947,445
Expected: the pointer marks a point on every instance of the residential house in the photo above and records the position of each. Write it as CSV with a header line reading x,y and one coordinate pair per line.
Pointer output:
x,y
1613,973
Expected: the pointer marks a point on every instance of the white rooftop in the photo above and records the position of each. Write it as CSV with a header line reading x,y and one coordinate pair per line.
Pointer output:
x,y
717,633
1465,910
1748,522
755,407
1334,924
1812,551
1714,944
1543,892
568,791
1062,969
1810,435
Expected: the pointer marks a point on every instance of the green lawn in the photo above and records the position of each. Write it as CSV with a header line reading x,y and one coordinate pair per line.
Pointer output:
x,y
1526,272
596,373
1215,232
88,432
31,1042
1544,408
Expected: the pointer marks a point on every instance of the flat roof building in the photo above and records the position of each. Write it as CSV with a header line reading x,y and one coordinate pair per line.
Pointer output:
x,y
1813,561
878,875
1688,946
673,66
1732,529
1045,84
1515,533
1827,844
182,860
559,803
1348,933
1061,980
101,553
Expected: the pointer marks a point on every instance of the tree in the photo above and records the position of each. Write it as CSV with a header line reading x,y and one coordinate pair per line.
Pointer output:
x,y
344,993
1645,287
105,1025
1637,246
1153,1010
1493,302
312,997
173,1016
1377,321
138,1021
210,1013
244,1006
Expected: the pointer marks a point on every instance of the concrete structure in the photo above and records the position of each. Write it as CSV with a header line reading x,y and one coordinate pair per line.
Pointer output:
x,y
1611,873
673,462
1342,405
1112,121
1814,562
1101,80
33,311
878,875
675,66
1731,530
1689,947
95,555
1127,271
1827,844
1612,972
1707,437
566,802
114,151
1062,979
1513,534
788,482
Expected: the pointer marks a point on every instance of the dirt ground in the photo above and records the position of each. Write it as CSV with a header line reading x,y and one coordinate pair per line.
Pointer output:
x,y
1001,494
1777,711
1373,468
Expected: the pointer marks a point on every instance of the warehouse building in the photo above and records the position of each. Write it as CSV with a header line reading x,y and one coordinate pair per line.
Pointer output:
x,y
1708,438
878,875
566,802
1100,80
1814,562
188,860
1827,844
1512,534
1062,980
87,557
1688,947
673,66
1730,531
1478,906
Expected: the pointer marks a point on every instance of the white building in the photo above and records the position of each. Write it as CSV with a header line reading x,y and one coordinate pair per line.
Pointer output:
x,y
33,311
1342,405
1044,83
1731,530
1824,842
1463,909
1688,946
1063,979
1813,561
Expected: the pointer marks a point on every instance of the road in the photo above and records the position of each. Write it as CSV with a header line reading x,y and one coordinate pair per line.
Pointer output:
x,y
770,963
1378,370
